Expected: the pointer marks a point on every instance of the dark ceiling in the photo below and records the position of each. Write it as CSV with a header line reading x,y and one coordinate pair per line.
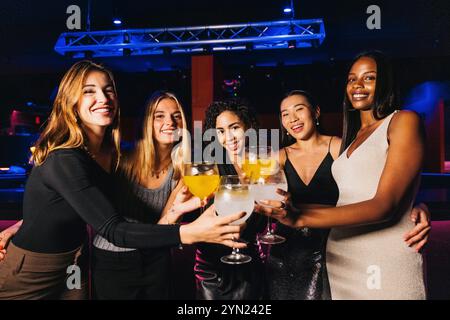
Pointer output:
x,y
29,29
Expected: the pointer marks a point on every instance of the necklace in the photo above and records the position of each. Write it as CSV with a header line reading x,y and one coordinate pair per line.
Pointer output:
x,y
156,173
89,152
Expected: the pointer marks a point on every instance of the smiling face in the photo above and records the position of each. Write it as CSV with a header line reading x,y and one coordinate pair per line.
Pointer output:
x,y
230,132
298,117
97,106
167,122
361,83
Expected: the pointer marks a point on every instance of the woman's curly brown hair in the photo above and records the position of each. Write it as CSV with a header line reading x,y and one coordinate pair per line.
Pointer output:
x,y
240,107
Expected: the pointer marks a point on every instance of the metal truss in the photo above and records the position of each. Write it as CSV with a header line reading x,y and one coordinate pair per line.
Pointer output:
x,y
204,39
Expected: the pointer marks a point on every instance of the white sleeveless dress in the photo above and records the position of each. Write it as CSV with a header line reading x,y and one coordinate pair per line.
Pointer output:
x,y
372,262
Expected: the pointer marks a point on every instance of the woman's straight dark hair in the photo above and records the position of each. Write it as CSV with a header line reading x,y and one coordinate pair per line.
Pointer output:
x,y
385,100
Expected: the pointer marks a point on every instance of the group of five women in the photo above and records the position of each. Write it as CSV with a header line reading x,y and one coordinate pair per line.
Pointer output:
x,y
357,186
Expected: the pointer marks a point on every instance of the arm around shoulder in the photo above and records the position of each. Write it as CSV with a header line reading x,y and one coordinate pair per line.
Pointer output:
x,y
399,177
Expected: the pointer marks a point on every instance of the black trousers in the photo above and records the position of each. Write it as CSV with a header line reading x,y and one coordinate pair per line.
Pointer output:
x,y
133,275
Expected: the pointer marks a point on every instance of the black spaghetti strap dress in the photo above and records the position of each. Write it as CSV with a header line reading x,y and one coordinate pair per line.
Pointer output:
x,y
296,269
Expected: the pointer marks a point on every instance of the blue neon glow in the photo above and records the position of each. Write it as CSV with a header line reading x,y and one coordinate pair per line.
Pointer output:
x,y
287,10
425,97
117,22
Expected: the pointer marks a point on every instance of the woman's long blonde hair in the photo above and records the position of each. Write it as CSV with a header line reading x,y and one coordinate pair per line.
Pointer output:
x,y
63,129
140,164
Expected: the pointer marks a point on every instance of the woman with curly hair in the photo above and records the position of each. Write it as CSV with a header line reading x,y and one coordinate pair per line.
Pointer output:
x,y
215,280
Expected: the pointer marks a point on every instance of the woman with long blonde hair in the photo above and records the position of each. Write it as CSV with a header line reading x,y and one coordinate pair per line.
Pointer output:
x,y
71,185
149,181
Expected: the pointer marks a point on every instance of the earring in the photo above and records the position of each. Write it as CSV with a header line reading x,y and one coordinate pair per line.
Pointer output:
x,y
317,122
287,133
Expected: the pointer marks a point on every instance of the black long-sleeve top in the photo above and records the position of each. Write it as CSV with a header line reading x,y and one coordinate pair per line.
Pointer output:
x,y
70,190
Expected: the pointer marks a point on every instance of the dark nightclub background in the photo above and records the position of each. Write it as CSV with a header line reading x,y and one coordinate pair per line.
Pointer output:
x,y
416,34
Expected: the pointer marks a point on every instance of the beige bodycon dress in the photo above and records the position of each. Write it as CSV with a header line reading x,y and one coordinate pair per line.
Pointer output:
x,y
372,262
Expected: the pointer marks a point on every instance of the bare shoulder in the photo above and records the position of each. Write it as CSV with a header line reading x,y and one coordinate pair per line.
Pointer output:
x,y
335,146
405,121
282,156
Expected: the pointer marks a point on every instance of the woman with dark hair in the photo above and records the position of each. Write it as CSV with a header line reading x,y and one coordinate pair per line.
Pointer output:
x,y
384,99
296,269
216,280
366,257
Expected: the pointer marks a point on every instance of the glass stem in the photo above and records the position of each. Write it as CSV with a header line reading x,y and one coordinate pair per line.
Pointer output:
x,y
269,225
235,250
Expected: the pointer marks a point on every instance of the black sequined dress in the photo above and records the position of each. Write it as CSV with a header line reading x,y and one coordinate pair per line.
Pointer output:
x,y
296,269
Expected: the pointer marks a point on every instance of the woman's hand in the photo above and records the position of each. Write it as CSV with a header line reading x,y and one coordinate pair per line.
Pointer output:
x,y
5,237
213,229
184,202
279,210
418,236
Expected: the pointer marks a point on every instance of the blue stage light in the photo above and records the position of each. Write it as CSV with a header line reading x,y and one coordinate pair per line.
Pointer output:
x,y
117,21
287,10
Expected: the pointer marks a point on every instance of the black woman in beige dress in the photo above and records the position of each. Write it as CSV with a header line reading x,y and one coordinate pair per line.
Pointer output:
x,y
378,176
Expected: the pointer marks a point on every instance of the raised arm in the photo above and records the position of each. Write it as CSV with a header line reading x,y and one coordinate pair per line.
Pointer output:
x,y
68,174
402,169
179,203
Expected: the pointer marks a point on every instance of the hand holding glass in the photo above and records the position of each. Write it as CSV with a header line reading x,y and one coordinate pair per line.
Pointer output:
x,y
262,168
234,196
202,179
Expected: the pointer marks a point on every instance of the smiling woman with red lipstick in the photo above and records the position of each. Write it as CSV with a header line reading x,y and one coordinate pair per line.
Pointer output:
x,y
366,257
